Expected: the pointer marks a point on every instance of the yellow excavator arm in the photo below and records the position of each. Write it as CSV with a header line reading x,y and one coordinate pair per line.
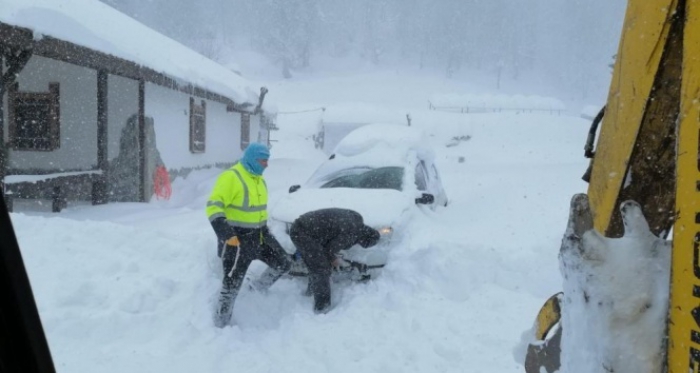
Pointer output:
x,y
684,310
635,154
648,151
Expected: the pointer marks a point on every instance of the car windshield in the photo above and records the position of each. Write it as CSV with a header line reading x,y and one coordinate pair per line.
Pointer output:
x,y
367,178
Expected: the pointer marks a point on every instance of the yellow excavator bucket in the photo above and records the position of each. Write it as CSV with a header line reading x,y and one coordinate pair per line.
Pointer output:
x,y
545,354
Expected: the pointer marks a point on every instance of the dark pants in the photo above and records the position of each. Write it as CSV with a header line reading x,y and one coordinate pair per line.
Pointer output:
x,y
317,260
254,244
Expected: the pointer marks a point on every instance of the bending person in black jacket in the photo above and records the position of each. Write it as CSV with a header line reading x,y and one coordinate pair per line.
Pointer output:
x,y
318,236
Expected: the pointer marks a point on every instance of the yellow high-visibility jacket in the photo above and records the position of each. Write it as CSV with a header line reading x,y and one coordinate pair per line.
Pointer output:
x,y
240,197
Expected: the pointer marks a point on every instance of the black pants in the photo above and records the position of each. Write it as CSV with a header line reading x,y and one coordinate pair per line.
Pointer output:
x,y
316,258
254,244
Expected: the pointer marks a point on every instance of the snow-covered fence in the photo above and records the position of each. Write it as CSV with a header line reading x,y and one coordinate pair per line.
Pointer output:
x,y
496,103
57,187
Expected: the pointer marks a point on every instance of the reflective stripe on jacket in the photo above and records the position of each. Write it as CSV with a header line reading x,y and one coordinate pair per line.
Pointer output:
x,y
240,197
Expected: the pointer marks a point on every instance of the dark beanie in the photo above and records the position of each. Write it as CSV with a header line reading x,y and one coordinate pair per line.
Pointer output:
x,y
368,237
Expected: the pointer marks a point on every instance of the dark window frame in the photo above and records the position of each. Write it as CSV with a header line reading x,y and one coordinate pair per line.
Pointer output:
x,y
245,130
436,174
52,99
198,129
421,177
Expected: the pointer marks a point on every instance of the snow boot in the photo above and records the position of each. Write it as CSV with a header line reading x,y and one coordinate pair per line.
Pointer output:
x,y
322,303
224,307
308,292
321,288
266,280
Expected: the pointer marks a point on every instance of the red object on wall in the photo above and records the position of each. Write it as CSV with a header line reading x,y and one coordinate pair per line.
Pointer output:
x,y
161,183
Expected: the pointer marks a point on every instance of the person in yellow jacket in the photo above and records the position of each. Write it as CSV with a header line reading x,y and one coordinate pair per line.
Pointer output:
x,y
237,210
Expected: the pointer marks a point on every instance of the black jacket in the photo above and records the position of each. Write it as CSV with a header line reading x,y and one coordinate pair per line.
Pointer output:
x,y
335,229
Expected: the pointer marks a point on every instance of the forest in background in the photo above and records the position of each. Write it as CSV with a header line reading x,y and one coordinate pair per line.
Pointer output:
x,y
569,44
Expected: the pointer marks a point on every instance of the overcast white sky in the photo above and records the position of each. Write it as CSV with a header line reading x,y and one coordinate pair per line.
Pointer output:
x,y
567,45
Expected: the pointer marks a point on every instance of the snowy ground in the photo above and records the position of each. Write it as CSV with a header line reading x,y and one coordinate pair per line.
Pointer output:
x,y
129,287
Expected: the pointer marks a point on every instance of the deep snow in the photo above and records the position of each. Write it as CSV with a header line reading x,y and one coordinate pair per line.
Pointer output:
x,y
129,287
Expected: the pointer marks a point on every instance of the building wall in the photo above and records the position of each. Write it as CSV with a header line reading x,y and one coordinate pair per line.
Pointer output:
x,y
171,114
122,103
78,108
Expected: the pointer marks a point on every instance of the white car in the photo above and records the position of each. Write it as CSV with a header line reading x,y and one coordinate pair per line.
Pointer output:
x,y
382,171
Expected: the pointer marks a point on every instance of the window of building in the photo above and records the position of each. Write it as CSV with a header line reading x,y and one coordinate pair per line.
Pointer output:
x,y
34,119
245,130
198,126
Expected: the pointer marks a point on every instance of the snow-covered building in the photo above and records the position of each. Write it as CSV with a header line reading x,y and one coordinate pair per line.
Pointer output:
x,y
93,102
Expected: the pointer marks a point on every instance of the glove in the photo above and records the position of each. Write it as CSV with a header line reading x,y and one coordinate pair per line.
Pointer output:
x,y
233,241
222,229
339,264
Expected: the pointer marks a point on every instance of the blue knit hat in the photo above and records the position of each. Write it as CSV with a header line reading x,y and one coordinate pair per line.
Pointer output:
x,y
252,153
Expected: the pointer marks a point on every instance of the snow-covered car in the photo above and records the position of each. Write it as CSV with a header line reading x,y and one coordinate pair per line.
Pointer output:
x,y
384,172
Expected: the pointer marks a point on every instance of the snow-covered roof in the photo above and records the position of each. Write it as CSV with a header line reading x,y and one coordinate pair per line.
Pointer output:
x,y
97,26
397,137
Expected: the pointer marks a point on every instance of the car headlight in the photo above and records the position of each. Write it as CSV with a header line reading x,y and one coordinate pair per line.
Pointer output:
x,y
385,231
385,234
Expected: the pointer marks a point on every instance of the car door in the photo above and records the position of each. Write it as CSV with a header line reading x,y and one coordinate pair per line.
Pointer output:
x,y
428,184
422,181
434,184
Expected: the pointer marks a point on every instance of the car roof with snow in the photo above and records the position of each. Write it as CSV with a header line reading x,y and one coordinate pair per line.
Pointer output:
x,y
376,145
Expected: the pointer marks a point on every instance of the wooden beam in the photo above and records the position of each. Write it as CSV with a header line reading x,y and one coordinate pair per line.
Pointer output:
x,y
142,141
99,187
7,78
14,37
44,171
16,65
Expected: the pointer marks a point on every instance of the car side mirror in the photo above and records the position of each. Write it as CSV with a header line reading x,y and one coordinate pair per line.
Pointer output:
x,y
425,199
294,188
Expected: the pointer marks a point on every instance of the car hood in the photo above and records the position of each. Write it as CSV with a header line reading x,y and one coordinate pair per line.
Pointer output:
x,y
378,207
